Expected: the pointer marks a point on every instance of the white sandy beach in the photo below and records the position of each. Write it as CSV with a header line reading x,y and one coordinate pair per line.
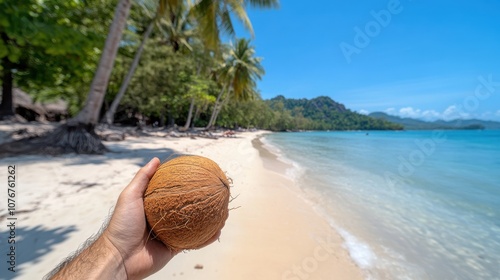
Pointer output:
x,y
271,233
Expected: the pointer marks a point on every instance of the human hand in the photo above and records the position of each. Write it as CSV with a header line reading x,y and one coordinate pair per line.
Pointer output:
x,y
127,229
126,249
129,233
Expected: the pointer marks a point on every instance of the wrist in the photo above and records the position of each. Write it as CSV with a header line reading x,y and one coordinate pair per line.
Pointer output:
x,y
101,260
111,259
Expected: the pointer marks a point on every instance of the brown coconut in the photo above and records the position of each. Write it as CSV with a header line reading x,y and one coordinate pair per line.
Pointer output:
x,y
186,202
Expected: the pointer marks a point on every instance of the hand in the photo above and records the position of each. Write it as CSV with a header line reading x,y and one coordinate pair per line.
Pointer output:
x,y
125,250
128,231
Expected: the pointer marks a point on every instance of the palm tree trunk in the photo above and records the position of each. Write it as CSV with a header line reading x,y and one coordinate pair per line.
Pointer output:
x,y
216,105
191,106
196,115
78,134
162,118
90,112
110,114
219,108
190,115
217,113
7,105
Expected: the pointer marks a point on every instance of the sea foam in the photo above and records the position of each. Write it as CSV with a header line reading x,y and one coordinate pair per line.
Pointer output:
x,y
361,254
439,221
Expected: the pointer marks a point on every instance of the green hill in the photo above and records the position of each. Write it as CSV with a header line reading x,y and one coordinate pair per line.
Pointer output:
x,y
323,113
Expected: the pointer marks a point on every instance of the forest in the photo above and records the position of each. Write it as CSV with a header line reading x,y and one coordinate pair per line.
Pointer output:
x,y
164,63
285,114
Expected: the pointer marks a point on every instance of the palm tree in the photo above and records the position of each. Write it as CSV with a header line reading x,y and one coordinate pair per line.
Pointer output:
x,y
238,76
78,134
211,15
176,29
90,113
215,16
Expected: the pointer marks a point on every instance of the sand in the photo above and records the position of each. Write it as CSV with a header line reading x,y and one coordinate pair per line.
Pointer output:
x,y
271,233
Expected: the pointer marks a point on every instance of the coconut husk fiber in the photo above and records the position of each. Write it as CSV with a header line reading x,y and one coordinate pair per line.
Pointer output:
x,y
186,202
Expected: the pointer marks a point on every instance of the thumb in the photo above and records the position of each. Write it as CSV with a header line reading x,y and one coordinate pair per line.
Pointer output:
x,y
140,182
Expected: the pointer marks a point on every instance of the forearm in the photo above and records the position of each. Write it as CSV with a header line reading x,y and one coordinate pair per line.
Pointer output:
x,y
98,261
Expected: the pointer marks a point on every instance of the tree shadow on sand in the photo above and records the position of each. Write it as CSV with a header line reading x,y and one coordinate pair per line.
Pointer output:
x,y
32,243
140,156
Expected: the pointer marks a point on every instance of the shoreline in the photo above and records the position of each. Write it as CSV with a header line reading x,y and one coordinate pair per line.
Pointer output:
x,y
356,239
388,228
270,234
325,236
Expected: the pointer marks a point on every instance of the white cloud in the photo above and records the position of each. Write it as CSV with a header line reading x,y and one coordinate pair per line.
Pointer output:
x,y
409,112
390,111
454,112
363,112
488,115
451,113
430,115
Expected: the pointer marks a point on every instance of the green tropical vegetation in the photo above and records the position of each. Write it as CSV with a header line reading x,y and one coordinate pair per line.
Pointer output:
x,y
50,49
74,31
283,114
158,62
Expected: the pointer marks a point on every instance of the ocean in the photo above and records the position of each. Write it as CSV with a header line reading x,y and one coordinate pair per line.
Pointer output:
x,y
408,204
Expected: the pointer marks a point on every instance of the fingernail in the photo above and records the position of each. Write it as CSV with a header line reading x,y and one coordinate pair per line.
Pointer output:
x,y
149,163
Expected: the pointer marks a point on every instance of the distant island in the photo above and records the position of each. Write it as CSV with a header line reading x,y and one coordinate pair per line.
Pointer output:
x,y
416,124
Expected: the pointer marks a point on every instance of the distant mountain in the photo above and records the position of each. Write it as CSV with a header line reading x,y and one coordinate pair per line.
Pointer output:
x,y
323,113
415,124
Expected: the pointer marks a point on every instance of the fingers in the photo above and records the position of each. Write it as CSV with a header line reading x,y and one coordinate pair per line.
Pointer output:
x,y
150,168
141,179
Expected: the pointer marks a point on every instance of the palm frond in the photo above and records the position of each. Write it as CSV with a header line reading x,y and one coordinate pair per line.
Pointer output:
x,y
166,6
238,8
263,3
226,23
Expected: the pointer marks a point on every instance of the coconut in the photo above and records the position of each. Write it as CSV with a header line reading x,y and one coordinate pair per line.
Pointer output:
x,y
186,202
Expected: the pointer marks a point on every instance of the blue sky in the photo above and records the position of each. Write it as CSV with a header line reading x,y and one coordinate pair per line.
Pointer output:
x,y
423,59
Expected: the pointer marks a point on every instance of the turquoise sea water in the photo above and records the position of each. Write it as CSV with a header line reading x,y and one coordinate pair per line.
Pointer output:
x,y
409,204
